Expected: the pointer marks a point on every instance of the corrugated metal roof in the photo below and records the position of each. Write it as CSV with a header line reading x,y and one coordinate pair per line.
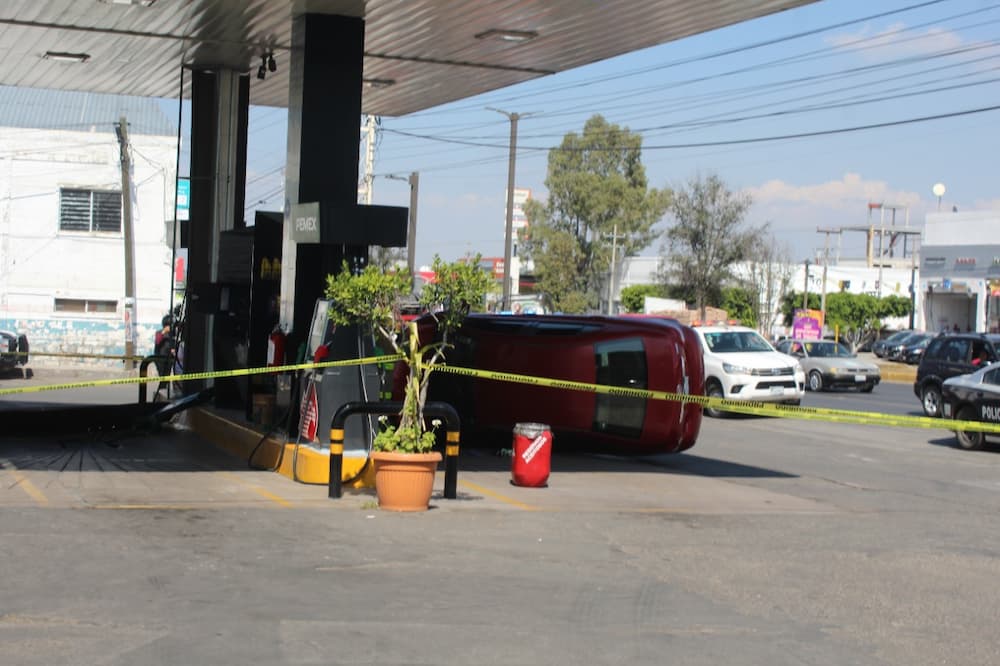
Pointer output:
x,y
432,51
69,110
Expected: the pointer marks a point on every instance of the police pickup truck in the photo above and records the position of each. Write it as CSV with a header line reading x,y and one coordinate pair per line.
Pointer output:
x,y
973,397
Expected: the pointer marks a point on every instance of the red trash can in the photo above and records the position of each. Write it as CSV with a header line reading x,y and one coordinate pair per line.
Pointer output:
x,y
532,455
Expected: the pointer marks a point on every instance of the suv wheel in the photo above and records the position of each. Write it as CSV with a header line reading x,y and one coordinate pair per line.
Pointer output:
x,y
930,398
714,390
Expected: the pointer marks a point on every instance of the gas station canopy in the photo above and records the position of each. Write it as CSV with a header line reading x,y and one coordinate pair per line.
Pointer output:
x,y
417,53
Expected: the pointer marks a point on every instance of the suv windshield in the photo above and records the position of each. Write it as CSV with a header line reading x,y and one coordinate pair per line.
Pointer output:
x,y
736,341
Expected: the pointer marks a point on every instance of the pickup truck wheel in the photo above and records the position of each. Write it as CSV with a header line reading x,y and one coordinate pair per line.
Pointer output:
x,y
714,390
930,398
969,440
815,381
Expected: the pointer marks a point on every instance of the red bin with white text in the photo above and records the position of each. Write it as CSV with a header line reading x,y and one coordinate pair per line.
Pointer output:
x,y
532,455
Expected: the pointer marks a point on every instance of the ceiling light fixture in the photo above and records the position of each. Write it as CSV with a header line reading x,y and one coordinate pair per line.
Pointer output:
x,y
271,65
137,3
61,56
515,36
378,83
262,70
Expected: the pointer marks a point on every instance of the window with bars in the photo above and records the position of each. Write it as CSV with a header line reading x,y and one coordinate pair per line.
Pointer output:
x,y
90,210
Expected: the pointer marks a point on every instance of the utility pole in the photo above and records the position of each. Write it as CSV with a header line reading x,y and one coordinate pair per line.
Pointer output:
x,y
411,229
121,129
805,289
509,233
611,276
826,261
369,177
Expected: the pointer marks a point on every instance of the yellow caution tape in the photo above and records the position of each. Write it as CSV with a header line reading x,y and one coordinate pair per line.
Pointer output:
x,y
240,372
111,357
752,407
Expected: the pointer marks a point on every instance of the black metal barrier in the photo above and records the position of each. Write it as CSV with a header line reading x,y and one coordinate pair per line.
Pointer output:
x,y
431,409
143,370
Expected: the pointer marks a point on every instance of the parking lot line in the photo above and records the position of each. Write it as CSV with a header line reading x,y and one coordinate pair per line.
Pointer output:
x,y
497,496
22,481
257,489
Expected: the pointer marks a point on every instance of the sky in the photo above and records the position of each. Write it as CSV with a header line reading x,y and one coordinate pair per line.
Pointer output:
x,y
922,76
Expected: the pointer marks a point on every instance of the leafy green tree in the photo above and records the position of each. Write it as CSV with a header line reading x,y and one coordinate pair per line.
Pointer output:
x,y
597,189
634,297
707,238
858,317
739,303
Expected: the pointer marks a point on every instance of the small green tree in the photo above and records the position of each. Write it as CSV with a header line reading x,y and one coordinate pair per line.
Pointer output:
x,y
738,303
372,298
858,317
634,296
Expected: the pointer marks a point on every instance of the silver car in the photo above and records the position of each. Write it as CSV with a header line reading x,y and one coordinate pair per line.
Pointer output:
x,y
829,364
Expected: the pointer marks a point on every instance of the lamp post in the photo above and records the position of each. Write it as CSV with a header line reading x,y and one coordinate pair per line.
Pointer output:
x,y
938,191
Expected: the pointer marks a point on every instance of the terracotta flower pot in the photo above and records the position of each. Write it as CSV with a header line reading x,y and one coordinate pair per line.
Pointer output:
x,y
404,481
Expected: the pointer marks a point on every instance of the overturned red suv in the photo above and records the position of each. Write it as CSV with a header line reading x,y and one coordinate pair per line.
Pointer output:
x,y
640,353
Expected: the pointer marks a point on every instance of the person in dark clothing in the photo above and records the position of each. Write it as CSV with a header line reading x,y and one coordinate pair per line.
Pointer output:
x,y
164,348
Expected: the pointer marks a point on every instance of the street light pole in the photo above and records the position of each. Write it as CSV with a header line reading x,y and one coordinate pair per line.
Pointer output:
x,y
509,232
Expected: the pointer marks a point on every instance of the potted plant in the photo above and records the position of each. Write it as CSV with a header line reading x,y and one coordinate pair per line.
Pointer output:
x,y
371,300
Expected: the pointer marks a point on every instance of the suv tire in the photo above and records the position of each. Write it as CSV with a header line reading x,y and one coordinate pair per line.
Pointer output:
x,y
930,400
714,390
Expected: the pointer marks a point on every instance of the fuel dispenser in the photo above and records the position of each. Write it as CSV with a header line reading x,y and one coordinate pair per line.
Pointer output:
x,y
323,391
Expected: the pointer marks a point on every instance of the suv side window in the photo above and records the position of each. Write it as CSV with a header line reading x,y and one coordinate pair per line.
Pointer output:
x,y
934,349
956,350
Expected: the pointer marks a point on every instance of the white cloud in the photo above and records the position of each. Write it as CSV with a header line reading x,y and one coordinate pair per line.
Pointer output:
x,y
851,193
894,41
796,212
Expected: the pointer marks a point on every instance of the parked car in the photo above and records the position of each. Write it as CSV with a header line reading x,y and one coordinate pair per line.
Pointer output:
x,y
881,347
13,351
741,365
947,356
913,351
972,397
829,364
892,349
899,350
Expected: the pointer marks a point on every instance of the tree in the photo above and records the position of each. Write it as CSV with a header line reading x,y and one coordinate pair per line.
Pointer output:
x,y
634,296
597,188
371,298
707,238
768,275
857,317
738,302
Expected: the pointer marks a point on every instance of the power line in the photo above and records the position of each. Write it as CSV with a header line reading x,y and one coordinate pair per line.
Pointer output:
x,y
709,56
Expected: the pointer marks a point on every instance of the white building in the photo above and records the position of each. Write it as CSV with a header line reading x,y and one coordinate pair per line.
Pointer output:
x,y
960,271
61,206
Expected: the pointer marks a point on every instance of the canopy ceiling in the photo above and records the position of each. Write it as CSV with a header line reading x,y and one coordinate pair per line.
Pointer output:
x,y
418,53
